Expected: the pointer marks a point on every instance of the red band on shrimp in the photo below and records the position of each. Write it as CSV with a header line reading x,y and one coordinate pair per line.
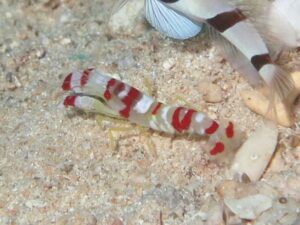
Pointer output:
x,y
85,77
185,123
70,100
213,128
110,83
230,130
67,83
219,148
119,88
156,108
129,100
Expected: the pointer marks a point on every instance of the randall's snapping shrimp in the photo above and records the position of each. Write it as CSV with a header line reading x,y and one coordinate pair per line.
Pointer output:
x,y
246,48
99,93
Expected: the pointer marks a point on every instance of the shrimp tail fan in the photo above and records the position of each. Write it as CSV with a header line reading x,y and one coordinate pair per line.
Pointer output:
x,y
228,138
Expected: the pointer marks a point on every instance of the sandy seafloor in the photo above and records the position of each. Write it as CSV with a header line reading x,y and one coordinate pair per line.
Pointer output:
x,y
56,164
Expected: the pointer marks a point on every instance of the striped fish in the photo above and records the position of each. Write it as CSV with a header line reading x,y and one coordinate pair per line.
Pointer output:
x,y
99,93
245,48
230,22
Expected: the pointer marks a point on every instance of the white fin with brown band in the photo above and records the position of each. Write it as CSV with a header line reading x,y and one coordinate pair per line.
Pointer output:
x,y
234,25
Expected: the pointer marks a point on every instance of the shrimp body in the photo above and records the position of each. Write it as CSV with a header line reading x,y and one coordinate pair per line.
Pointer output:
x,y
96,92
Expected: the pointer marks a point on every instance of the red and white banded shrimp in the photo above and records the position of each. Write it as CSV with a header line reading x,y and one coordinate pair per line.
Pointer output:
x,y
95,92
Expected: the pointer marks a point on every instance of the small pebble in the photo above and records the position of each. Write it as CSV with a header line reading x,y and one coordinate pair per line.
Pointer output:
x,y
169,64
35,203
295,142
117,221
40,53
77,218
283,200
65,41
212,93
67,167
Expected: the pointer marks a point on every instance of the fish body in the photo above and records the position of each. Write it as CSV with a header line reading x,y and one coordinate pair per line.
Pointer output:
x,y
284,22
99,93
233,25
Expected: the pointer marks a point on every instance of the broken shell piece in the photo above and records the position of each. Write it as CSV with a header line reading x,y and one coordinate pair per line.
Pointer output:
x,y
255,154
258,103
249,207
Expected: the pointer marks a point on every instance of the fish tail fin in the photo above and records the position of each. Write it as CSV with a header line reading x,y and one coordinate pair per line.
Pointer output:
x,y
280,84
223,144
